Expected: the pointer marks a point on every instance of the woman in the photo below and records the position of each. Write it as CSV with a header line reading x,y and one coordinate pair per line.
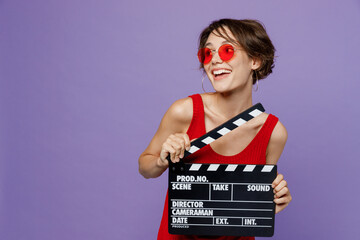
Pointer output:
x,y
234,54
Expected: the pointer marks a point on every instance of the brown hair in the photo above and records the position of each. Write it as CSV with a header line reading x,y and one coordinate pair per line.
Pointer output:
x,y
252,37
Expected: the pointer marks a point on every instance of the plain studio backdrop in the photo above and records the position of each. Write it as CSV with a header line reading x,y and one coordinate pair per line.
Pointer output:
x,y
84,85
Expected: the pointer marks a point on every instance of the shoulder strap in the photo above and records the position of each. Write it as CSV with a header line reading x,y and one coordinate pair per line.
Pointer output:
x,y
197,125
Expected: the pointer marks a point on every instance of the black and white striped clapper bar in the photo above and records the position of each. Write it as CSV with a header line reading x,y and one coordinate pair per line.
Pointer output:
x,y
221,199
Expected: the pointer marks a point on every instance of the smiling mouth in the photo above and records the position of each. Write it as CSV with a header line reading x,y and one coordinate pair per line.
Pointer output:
x,y
221,73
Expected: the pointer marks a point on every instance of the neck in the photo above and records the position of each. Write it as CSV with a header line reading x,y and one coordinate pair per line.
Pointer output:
x,y
230,104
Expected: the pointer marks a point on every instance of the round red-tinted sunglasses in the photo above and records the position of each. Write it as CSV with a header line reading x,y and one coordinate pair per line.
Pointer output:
x,y
226,52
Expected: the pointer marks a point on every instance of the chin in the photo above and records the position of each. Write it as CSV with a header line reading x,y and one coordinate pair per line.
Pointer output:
x,y
222,89
228,89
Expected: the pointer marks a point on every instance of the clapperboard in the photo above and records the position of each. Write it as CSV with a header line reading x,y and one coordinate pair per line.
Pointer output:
x,y
221,199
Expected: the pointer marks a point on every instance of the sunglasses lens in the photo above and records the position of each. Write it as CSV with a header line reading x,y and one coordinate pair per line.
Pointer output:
x,y
204,55
226,52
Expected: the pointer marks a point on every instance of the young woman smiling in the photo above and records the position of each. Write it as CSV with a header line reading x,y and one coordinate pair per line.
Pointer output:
x,y
235,55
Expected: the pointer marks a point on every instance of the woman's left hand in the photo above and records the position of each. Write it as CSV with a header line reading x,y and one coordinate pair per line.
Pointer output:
x,y
282,196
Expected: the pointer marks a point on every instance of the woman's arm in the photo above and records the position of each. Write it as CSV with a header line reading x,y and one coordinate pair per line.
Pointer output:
x,y
275,147
276,144
170,138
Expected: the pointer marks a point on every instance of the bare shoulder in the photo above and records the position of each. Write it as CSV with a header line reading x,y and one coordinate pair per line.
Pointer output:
x,y
176,120
279,134
180,111
276,143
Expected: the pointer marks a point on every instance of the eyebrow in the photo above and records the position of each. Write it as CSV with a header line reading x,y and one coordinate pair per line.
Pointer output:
x,y
212,44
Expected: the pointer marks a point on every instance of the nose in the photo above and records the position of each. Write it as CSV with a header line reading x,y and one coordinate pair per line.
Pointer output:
x,y
216,58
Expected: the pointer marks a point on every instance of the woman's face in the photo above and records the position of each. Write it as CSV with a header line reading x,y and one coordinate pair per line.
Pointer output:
x,y
232,75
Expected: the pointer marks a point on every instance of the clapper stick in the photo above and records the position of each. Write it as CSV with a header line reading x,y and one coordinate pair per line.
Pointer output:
x,y
223,129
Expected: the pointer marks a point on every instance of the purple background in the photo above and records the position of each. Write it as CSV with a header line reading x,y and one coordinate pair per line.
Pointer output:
x,y
84,85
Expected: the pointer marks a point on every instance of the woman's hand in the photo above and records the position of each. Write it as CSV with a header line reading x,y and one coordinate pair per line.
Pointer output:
x,y
175,145
282,196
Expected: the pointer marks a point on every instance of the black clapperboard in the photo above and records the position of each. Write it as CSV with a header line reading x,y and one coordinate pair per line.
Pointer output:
x,y
221,199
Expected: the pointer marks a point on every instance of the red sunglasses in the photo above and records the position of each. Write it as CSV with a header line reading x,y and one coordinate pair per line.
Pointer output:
x,y
226,52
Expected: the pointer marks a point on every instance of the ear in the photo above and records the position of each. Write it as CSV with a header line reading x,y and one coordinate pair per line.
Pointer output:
x,y
256,63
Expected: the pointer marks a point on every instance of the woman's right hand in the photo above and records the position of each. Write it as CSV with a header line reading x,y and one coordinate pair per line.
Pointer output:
x,y
175,145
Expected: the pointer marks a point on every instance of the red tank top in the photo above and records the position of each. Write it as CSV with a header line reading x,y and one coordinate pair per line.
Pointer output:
x,y
254,153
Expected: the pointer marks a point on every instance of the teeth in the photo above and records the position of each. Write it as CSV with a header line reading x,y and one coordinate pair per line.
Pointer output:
x,y
221,71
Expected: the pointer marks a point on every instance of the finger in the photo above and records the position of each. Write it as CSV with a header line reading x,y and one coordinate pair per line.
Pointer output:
x,y
164,153
184,139
283,200
171,151
181,142
177,150
277,180
280,186
176,142
187,142
172,155
282,192
167,150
